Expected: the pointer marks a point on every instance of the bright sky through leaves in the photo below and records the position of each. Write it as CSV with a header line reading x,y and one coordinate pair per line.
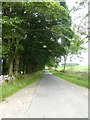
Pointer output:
x,y
84,55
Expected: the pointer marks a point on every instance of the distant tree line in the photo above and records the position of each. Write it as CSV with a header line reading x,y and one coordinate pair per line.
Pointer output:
x,y
70,64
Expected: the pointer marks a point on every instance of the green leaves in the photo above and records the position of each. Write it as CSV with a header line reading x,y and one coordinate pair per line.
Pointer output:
x,y
31,31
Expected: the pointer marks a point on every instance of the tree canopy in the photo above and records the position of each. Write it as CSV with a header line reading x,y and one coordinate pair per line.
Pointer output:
x,y
31,35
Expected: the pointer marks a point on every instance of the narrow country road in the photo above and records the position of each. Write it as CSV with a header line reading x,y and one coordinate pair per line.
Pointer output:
x,y
50,97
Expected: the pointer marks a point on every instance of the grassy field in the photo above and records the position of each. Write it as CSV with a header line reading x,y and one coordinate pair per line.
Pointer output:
x,y
13,86
75,74
75,68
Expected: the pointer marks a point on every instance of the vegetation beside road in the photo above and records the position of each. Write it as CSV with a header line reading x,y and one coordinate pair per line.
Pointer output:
x,y
20,82
79,77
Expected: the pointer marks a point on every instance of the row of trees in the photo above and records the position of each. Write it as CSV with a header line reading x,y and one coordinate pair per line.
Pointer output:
x,y
34,34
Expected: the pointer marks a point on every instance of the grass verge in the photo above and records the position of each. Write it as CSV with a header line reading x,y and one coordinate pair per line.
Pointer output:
x,y
20,82
79,79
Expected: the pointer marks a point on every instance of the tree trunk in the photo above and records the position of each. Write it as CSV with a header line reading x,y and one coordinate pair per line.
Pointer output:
x,y
4,66
24,69
16,66
10,64
65,58
11,68
17,59
10,59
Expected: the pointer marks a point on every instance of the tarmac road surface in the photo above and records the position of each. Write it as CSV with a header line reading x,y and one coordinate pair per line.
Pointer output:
x,y
49,97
